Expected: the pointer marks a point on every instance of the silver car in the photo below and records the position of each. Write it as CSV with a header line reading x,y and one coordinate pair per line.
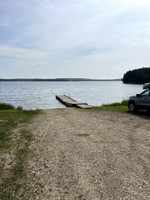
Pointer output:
x,y
140,101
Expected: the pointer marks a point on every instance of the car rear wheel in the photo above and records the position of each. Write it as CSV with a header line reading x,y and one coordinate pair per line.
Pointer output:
x,y
132,107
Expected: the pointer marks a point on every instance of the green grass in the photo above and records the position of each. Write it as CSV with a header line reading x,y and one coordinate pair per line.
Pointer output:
x,y
117,107
26,135
11,186
9,119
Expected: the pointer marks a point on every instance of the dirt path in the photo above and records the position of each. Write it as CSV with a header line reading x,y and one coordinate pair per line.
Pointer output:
x,y
84,155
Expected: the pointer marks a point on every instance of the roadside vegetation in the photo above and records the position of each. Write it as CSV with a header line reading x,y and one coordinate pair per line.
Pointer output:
x,y
118,107
121,107
5,106
15,139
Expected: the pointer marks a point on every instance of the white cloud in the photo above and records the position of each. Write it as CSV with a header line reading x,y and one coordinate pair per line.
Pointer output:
x,y
20,53
63,34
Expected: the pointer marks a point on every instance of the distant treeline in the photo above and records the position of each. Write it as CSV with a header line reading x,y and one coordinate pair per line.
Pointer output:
x,y
58,79
137,76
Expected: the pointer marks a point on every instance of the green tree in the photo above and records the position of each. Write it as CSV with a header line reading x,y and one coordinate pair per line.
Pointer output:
x,y
137,76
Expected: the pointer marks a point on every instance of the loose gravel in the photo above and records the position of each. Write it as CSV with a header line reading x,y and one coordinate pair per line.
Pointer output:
x,y
87,155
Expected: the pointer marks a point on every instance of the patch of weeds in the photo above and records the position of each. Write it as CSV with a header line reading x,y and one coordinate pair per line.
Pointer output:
x,y
9,119
117,107
80,197
25,134
9,196
5,133
61,109
19,108
18,170
12,187
18,179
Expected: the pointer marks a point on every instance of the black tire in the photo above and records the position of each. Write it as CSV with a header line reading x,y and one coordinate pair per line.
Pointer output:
x,y
132,107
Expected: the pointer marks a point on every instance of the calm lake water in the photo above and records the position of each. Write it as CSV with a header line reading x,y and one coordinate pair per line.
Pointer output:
x,y
33,95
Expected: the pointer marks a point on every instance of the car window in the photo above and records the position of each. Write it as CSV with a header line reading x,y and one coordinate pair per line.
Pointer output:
x,y
145,93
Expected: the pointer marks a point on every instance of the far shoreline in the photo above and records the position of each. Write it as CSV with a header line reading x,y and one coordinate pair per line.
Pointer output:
x,y
57,79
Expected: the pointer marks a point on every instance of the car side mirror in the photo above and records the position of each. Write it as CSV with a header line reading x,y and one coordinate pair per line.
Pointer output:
x,y
138,95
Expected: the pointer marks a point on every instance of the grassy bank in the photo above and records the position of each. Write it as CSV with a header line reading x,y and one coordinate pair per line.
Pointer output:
x,y
14,151
117,107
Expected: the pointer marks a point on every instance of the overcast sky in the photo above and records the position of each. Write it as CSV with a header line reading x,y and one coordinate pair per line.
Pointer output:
x,y
73,38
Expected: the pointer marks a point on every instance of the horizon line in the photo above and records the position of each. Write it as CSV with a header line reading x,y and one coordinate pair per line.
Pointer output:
x,y
58,79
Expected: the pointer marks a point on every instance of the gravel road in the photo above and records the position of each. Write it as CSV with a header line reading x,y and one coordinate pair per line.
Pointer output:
x,y
87,155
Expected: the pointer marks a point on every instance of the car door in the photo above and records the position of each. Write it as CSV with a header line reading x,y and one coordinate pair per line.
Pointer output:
x,y
147,100
144,99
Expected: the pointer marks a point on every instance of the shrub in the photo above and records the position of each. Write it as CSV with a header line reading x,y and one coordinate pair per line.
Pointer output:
x,y
124,102
5,106
19,108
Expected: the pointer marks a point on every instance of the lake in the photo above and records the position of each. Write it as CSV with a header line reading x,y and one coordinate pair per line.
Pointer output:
x,y
41,94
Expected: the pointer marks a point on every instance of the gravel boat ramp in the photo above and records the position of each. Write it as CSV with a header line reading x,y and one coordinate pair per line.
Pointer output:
x,y
89,155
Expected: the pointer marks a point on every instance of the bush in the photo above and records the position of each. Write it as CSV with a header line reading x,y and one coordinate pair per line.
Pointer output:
x,y
124,102
4,106
19,108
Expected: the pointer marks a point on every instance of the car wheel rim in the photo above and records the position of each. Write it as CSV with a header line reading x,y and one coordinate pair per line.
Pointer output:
x,y
131,107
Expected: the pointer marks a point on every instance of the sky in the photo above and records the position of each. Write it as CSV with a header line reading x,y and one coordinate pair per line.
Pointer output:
x,y
73,38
